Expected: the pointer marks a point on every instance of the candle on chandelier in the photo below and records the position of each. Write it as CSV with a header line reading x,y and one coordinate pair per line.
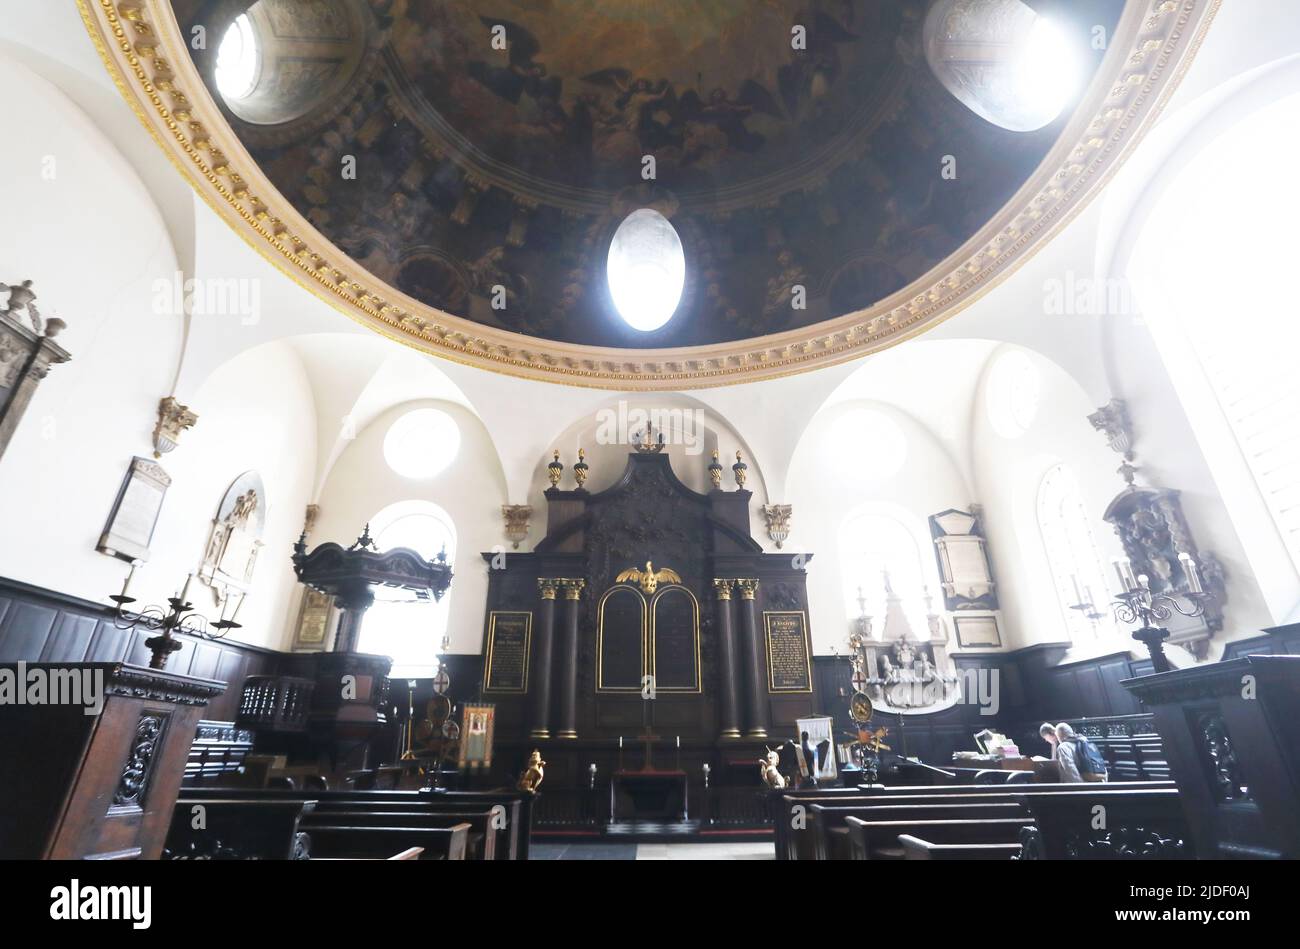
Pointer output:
x,y
1124,570
1193,573
126,584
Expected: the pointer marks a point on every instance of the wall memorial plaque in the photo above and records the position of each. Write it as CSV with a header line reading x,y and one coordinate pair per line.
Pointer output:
x,y
789,652
505,668
975,631
135,512
313,621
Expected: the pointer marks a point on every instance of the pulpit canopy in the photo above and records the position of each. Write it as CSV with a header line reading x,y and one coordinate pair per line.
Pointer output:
x,y
341,571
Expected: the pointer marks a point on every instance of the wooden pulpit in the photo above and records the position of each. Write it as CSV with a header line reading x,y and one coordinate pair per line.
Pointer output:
x,y
92,756
1231,733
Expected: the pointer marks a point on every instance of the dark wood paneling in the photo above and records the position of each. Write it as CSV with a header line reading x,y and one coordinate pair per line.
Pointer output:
x,y
1277,641
38,625
70,639
26,629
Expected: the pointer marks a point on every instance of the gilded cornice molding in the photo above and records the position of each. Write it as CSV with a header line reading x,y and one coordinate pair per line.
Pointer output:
x,y
145,52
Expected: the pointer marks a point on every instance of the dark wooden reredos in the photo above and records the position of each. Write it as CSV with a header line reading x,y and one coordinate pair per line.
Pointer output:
x,y
647,516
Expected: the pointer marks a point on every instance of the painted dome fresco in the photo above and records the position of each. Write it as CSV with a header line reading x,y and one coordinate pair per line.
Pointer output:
x,y
458,169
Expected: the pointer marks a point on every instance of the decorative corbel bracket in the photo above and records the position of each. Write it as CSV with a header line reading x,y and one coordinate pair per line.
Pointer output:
x,y
778,522
516,518
1112,421
173,419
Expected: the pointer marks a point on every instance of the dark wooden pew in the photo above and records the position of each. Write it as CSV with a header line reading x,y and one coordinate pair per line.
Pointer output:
x,y
486,841
217,753
236,829
1036,788
1134,824
781,804
914,848
518,807
793,844
353,842
828,828
878,840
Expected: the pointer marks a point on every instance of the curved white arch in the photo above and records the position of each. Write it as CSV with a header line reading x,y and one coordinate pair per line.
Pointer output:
x,y
1178,324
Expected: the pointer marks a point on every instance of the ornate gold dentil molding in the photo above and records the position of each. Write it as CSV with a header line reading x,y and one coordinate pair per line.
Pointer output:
x,y
142,46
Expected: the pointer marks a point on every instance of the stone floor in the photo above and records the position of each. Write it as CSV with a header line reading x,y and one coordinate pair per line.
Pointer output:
x,y
629,851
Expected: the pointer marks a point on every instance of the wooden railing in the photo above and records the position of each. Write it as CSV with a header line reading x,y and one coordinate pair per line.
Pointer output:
x,y
275,703
1130,744
560,809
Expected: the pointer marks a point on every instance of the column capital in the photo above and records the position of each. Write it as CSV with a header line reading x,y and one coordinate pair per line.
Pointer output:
x,y
747,588
723,588
572,587
547,587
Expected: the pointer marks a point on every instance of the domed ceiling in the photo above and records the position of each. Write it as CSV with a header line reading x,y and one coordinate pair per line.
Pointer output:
x,y
453,172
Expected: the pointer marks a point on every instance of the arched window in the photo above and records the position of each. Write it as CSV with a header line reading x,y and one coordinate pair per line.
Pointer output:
x,y
1003,61
1208,265
238,58
409,631
1075,561
421,444
874,545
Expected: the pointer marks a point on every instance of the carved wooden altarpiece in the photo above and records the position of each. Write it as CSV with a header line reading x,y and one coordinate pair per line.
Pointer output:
x,y
647,587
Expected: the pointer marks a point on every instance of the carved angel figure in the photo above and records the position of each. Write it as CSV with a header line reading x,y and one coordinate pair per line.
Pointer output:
x,y
649,578
532,777
768,769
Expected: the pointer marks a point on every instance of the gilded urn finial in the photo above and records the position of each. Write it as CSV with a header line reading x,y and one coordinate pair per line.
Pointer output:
x,y
739,468
715,471
555,470
580,469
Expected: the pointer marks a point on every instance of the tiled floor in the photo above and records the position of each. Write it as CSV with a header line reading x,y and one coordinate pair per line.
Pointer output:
x,y
626,851
759,851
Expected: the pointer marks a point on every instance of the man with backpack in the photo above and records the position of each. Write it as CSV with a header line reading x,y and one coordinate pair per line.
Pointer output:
x,y
1079,759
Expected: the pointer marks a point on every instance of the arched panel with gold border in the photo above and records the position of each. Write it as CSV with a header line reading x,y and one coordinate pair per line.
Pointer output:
x,y
621,640
674,640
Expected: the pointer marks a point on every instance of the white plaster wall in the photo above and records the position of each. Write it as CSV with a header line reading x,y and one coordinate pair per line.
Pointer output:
x,y
1007,473
471,489
255,413
827,492
92,241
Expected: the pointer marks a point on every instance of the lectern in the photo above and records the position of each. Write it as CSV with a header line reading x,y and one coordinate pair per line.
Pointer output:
x,y
92,756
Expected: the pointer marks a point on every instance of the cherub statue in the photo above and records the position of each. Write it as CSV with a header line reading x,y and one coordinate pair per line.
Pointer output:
x,y
767,769
532,777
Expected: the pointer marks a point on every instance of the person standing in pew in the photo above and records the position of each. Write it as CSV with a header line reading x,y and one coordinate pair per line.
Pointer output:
x,y
1047,731
1078,759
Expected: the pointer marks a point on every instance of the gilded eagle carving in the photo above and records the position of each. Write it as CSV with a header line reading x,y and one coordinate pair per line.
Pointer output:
x,y
649,578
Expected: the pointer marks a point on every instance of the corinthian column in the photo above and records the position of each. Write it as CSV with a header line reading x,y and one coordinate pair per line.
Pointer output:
x,y
728,706
541,677
755,673
568,724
